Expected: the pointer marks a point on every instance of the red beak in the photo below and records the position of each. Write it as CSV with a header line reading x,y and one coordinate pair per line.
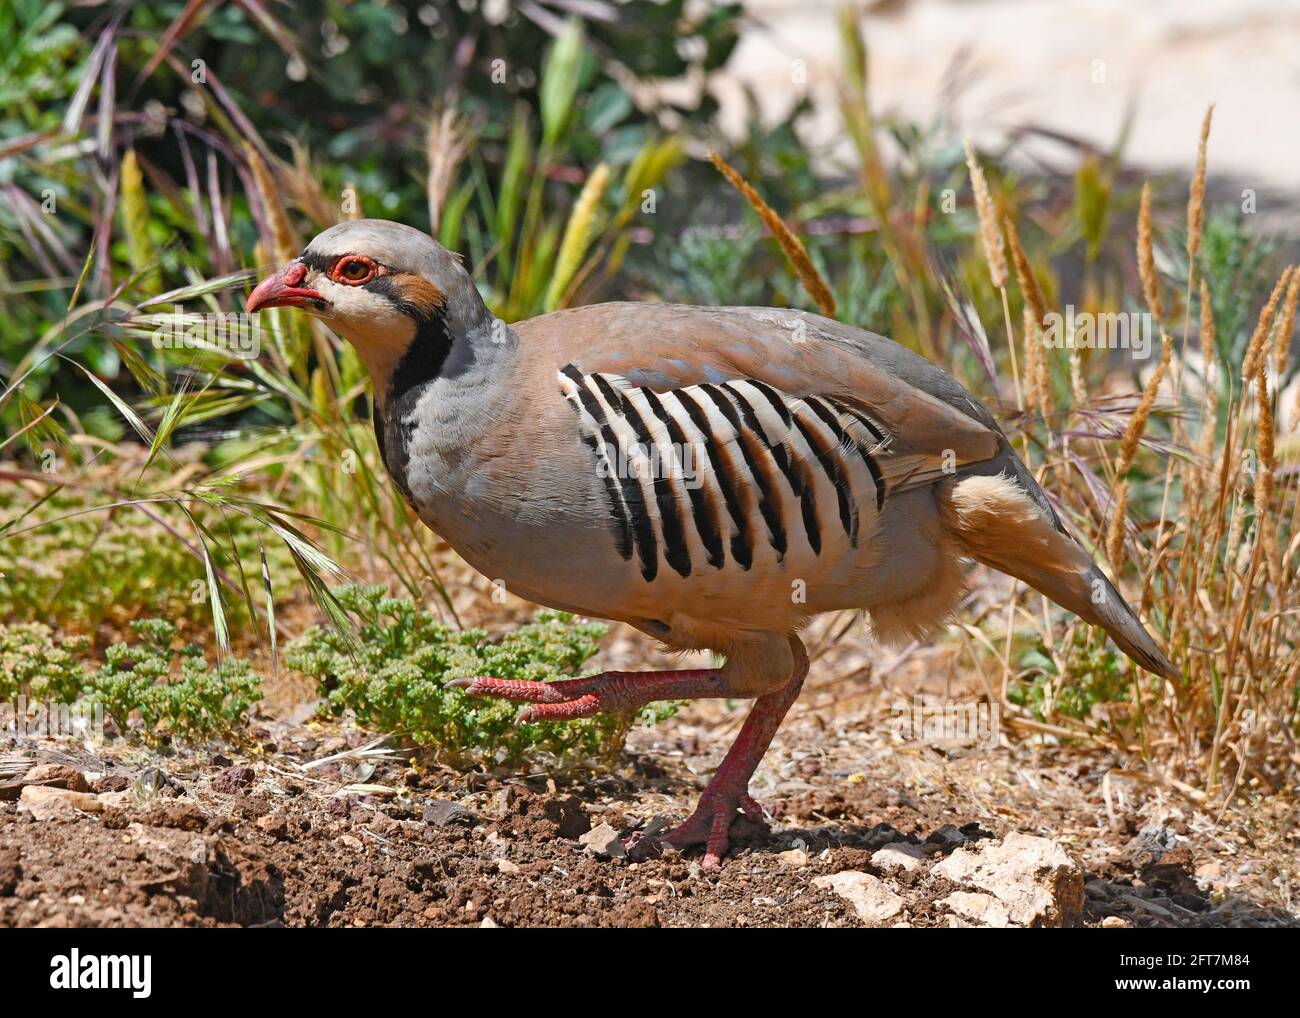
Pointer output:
x,y
282,290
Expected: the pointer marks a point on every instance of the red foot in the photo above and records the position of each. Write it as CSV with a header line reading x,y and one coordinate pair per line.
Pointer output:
x,y
727,795
607,693
709,825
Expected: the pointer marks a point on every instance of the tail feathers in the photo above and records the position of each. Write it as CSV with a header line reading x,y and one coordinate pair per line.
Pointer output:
x,y
998,523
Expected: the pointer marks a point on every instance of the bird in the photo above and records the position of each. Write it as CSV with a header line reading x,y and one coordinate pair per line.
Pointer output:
x,y
714,477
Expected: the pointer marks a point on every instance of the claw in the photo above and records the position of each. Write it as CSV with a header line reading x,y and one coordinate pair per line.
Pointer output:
x,y
710,825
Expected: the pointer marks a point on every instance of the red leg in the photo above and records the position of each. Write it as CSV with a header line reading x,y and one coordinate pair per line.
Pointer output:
x,y
728,792
624,692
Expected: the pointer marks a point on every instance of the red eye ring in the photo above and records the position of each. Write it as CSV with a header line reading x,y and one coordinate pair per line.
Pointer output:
x,y
354,270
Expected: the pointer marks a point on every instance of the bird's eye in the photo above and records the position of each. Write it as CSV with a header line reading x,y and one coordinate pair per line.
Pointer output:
x,y
355,271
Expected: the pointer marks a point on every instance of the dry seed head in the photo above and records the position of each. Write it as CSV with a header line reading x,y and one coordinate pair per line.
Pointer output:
x,y
282,237
1146,256
445,144
794,250
1196,202
1137,424
994,249
1257,348
577,235
1025,274
1282,339
1115,528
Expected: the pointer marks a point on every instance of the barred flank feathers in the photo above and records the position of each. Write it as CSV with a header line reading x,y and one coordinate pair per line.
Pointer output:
x,y
794,250
1146,256
1196,201
994,246
577,236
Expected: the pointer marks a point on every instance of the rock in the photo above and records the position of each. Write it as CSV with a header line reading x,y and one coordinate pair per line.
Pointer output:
x,y
603,841
1097,890
45,802
488,924
11,790
445,813
796,858
900,855
1114,922
947,838
568,815
1033,877
274,825
55,775
351,841
1149,907
233,780
384,825
507,868
1149,844
870,897
983,908
11,871
110,783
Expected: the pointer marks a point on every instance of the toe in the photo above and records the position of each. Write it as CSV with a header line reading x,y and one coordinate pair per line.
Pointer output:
x,y
582,707
516,690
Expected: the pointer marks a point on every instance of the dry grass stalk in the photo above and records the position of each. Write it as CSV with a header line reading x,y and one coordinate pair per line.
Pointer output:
x,y
994,246
1024,273
283,240
1128,448
1146,256
1257,348
1038,387
1196,200
445,145
1266,524
305,191
1286,327
794,250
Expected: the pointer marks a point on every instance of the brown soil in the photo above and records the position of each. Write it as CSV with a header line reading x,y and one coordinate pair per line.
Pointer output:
x,y
259,841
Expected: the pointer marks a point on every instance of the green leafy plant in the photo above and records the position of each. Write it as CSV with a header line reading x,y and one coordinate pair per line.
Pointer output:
x,y
37,664
395,680
140,680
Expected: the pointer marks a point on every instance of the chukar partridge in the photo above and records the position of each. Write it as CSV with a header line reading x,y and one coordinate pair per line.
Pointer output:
x,y
711,476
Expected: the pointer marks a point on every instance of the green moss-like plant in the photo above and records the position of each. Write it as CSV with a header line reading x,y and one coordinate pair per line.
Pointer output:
x,y
395,680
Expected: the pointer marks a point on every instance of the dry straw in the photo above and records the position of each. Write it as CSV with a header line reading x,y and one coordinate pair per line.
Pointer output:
x,y
577,236
284,243
1257,348
994,248
445,145
1196,201
1146,256
1282,340
790,244
1128,448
